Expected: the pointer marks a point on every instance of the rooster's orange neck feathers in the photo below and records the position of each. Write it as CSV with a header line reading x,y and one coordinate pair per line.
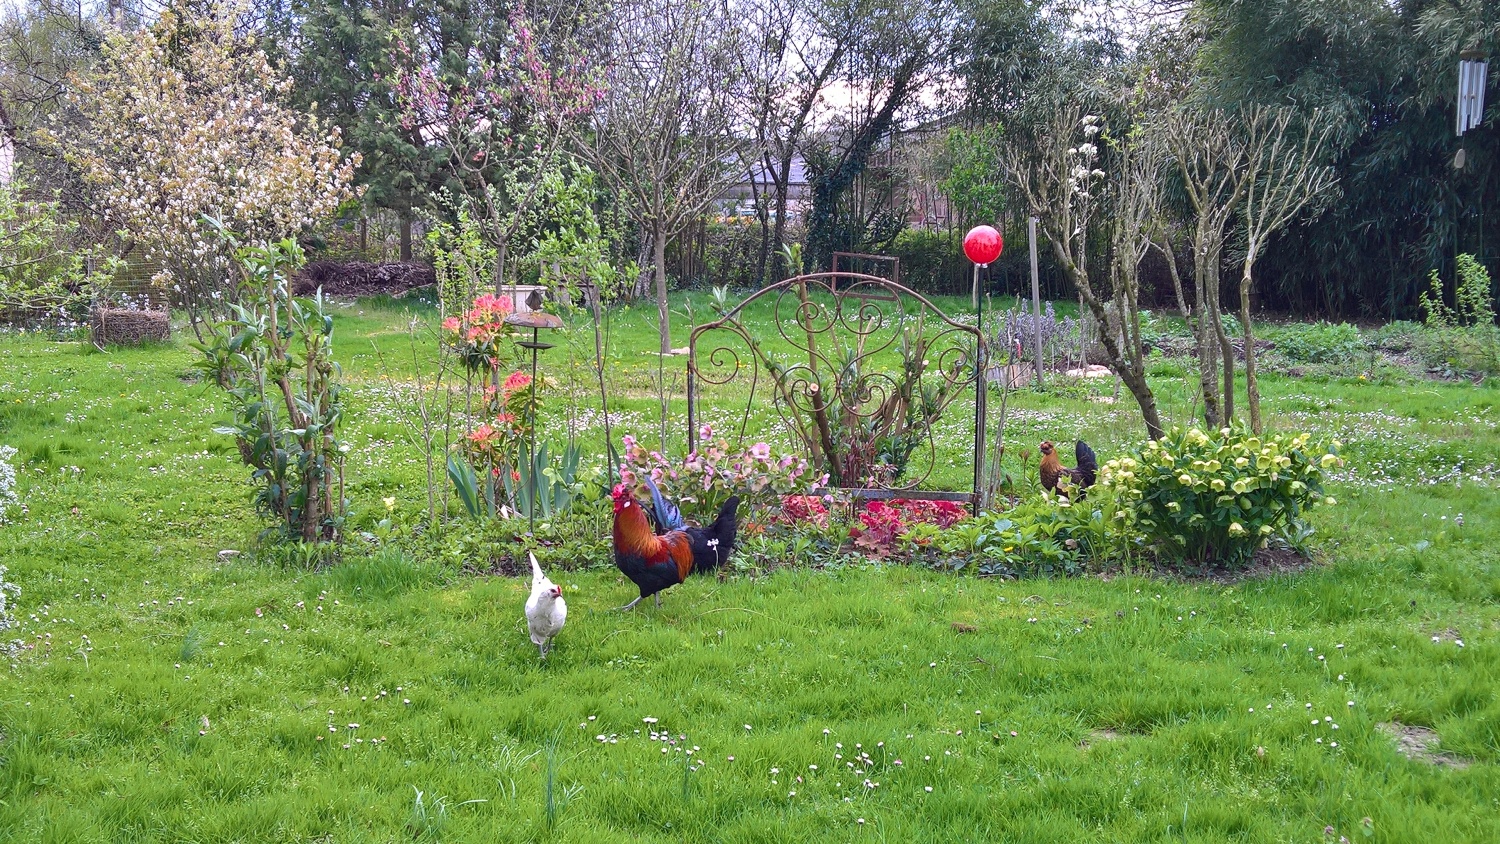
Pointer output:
x,y
632,531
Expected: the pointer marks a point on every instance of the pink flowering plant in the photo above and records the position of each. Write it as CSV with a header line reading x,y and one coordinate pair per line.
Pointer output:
x,y
702,481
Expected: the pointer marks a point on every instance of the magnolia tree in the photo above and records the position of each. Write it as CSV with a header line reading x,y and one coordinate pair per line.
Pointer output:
x,y
182,121
1057,167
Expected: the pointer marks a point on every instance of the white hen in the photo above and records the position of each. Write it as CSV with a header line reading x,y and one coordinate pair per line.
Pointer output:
x,y
545,609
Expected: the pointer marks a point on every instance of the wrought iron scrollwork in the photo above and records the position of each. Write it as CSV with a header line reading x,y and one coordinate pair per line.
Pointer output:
x,y
859,371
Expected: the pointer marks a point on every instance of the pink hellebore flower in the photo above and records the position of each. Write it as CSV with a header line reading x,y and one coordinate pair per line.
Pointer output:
x,y
760,451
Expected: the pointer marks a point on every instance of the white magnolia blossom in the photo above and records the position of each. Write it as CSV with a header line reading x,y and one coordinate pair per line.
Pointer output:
x,y
1083,175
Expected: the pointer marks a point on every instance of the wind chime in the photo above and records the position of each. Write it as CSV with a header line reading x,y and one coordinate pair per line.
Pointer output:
x,y
1473,69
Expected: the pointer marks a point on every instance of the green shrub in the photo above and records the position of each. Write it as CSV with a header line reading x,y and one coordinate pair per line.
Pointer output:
x,y
1397,337
1460,351
1472,302
274,358
1043,536
1196,497
41,276
932,261
1321,342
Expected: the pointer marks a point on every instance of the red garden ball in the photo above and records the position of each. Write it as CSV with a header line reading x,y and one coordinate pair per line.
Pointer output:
x,y
983,244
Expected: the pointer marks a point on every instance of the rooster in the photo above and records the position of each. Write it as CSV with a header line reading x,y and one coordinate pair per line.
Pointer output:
x,y
663,556
1080,478
546,611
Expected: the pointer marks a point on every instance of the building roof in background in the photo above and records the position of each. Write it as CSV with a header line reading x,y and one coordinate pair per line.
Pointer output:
x,y
797,177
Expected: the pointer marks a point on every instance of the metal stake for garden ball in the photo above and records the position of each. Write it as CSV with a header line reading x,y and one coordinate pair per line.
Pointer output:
x,y
592,293
982,245
535,319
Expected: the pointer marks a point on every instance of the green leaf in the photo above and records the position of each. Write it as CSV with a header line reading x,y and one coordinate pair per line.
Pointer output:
x,y
466,485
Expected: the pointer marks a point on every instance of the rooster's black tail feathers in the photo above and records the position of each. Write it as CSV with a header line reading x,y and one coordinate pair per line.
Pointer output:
x,y
719,536
1088,464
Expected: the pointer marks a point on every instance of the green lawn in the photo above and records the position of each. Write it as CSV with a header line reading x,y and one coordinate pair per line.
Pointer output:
x,y
167,694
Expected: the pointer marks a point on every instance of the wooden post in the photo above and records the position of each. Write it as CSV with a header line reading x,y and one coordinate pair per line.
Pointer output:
x,y
1036,299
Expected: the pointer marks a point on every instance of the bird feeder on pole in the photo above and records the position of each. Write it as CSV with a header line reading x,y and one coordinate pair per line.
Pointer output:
x,y
535,319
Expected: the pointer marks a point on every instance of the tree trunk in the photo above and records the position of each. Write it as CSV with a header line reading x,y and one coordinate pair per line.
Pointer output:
x,y
500,250
782,184
659,255
1203,334
1252,384
1226,349
762,214
1134,376
1165,247
406,238
1135,382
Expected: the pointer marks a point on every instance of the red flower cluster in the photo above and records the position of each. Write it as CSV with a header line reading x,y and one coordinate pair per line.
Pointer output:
x,y
883,522
803,509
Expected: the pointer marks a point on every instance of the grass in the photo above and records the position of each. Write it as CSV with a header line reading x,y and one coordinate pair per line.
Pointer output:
x,y
171,695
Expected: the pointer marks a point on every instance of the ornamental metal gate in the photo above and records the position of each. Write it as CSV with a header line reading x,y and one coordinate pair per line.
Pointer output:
x,y
859,371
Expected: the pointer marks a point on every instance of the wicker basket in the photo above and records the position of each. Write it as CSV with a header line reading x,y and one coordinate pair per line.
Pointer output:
x,y
128,327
